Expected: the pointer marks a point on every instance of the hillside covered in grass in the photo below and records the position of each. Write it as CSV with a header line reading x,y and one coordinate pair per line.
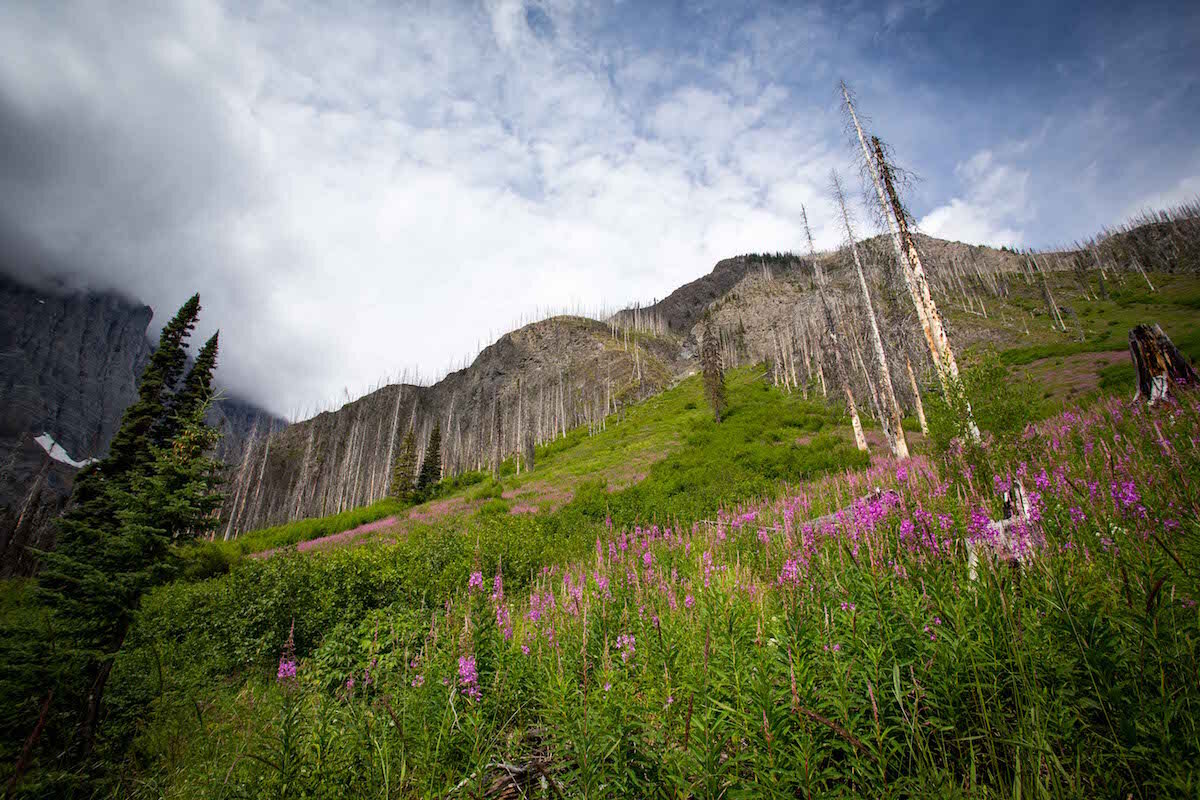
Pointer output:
x,y
665,605
672,606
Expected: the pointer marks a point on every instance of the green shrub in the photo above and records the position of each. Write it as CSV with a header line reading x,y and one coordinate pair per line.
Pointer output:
x,y
1002,401
494,506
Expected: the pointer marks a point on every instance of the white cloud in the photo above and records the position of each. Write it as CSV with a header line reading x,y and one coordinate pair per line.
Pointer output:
x,y
995,205
359,189
1186,190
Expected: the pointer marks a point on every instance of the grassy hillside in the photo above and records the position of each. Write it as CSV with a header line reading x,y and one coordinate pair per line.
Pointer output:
x,y
672,607
854,655
665,457
1065,370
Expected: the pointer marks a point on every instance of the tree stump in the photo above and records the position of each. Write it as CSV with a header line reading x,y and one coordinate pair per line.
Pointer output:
x,y
1157,362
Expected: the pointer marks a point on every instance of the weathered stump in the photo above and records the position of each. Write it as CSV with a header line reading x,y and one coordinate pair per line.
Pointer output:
x,y
1158,363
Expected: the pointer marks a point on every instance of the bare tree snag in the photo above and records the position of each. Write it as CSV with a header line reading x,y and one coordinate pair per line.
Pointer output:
x,y
944,357
1137,263
1157,362
497,438
842,371
890,414
901,259
1051,303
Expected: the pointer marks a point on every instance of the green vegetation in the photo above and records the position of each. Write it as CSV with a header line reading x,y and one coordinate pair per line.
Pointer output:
x,y
125,533
857,658
404,472
667,624
306,530
765,440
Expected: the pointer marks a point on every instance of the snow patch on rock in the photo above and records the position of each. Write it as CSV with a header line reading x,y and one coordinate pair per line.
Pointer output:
x,y
56,451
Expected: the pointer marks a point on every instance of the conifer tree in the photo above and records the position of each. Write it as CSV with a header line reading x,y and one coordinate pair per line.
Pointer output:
x,y
127,513
197,386
130,446
431,467
710,364
404,472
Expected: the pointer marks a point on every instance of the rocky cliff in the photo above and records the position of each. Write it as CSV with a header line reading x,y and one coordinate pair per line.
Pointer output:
x,y
529,386
69,362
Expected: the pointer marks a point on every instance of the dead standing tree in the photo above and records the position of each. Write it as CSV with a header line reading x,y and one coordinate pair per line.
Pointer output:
x,y
892,210
890,415
710,363
860,440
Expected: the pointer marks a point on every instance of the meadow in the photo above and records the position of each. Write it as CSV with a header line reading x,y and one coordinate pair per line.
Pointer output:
x,y
673,607
829,642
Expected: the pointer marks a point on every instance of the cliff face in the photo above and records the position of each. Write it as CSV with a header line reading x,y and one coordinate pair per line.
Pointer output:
x,y
69,362
532,384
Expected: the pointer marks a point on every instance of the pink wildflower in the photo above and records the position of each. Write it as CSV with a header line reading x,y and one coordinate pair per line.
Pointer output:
x,y
468,677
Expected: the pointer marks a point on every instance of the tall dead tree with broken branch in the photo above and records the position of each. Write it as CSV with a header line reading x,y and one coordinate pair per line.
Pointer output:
x,y
892,210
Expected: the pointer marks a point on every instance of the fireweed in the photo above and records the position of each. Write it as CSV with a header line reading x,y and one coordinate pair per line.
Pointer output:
x,y
831,641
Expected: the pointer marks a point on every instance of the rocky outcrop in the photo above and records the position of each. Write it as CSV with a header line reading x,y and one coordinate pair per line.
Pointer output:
x,y
69,362
683,308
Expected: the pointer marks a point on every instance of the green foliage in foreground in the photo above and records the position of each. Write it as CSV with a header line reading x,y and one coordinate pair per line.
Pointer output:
x,y
754,657
1002,401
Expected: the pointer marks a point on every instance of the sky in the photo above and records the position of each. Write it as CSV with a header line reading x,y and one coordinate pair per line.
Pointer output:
x,y
379,189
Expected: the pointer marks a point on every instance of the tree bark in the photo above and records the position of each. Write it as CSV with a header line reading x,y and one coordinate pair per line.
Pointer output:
x,y
943,355
890,413
1158,363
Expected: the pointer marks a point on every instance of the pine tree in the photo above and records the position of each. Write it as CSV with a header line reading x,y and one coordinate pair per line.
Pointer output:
x,y
127,514
431,467
197,386
710,363
146,420
404,472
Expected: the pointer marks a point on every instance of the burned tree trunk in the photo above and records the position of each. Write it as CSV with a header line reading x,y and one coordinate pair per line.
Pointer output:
x,y
497,436
936,331
529,451
912,379
1158,363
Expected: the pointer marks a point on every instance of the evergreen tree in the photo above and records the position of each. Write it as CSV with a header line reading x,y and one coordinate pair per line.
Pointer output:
x,y
197,386
710,363
146,420
431,467
404,472
127,513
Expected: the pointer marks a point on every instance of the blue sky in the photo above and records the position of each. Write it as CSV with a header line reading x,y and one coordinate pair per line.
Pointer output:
x,y
362,191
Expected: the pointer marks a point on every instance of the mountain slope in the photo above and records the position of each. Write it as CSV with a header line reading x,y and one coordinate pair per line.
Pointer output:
x,y
538,382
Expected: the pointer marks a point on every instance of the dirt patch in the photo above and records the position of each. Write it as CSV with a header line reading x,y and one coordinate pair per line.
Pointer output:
x,y
1066,377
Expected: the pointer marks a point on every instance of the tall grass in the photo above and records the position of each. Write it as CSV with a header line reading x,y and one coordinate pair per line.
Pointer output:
x,y
829,642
